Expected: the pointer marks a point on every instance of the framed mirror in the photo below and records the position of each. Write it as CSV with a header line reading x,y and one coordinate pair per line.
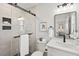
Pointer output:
x,y
65,23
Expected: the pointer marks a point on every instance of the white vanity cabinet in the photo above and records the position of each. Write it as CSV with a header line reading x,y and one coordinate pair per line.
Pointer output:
x,y
58,52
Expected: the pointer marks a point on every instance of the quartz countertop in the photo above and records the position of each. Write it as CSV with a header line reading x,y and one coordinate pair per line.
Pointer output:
x,y
69,46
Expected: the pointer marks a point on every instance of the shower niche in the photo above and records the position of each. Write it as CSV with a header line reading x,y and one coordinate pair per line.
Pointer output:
x,y
6,23
65,23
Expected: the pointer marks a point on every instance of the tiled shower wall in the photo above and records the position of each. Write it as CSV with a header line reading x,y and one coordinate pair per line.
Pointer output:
x,y
8,44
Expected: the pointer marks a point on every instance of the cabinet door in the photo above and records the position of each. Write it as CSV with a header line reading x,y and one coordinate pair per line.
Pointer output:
x,y
58,52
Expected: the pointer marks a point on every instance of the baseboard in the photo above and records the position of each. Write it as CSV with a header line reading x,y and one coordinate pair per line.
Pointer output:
x,y
18,54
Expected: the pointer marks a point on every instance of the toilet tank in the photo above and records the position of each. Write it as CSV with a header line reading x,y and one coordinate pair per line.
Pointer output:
x,y
41,45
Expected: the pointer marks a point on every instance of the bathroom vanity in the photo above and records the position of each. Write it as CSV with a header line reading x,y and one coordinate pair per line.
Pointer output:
x,y
65,28
56,47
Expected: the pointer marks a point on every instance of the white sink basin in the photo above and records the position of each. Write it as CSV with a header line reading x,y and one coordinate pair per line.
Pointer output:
x,y
68,41
70,45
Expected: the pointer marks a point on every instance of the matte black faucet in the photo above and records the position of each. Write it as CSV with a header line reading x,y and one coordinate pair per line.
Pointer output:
x,y
64,37
64,40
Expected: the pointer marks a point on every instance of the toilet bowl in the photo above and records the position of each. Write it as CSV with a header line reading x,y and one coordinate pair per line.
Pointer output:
x,y
41,44
37,53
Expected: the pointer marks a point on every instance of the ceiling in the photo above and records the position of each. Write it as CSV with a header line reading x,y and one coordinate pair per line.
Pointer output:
x,y
27,5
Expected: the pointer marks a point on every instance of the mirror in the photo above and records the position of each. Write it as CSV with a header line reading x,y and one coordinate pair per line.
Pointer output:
x,y
65,23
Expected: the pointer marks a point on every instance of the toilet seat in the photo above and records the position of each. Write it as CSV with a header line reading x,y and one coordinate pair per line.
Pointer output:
x,y
37,53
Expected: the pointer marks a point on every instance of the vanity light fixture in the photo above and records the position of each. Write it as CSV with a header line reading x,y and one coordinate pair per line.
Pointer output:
x,y
64,5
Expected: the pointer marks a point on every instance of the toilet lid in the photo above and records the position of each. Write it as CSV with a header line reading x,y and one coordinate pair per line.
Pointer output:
x,y
37,53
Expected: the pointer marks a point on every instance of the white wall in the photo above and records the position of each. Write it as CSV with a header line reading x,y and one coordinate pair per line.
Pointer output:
x,y
45,13
9,45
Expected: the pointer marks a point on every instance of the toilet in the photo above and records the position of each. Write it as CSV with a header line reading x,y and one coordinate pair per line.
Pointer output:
x,y
41,45
37,53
